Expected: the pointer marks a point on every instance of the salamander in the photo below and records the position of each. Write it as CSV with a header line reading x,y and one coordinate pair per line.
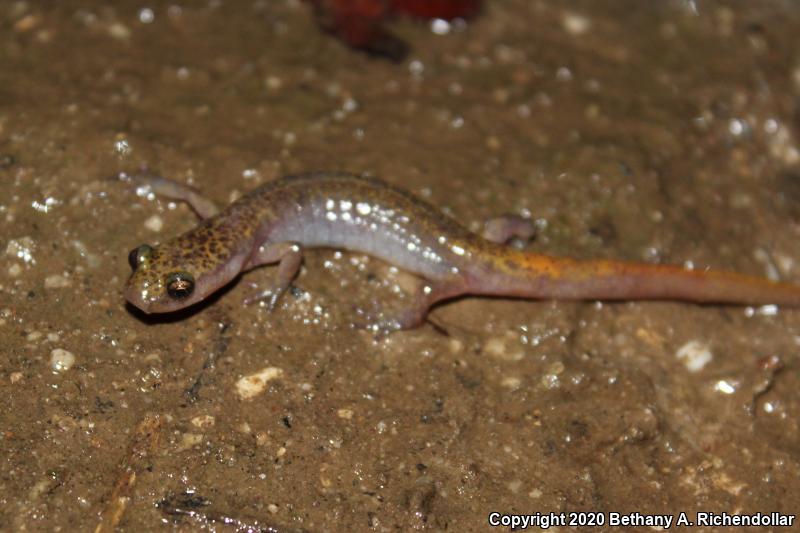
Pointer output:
x,y
275,222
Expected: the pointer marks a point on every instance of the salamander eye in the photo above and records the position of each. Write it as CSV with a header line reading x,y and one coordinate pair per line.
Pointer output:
x,y
180,285
139,255
133,258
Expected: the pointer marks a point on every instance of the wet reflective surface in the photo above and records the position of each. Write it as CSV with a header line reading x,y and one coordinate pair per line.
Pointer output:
x,y
666,134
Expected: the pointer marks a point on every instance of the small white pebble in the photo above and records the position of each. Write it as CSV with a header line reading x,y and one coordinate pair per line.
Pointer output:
x,y
724,386
15,377
456,346
146,15
346,414
496,347
349,105
251,386
563,74
251,174
440,26
119,31
575,24
203,421
694,355
61,360
56,281
767,310
154,223
273,83
272,508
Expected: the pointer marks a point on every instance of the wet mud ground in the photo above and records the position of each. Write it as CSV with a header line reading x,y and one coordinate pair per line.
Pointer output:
x,y
665,132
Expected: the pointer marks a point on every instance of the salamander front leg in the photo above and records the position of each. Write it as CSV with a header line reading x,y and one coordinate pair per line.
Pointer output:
x,y
503,229
426,295
203,207
289,255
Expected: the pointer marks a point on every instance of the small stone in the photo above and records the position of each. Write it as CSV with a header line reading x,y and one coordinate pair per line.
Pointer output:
x,y
273,83
456,346
154,223
189,440
346,414
119,31
496,347
575,24
251,386
694,355
56,281
203,421
61,360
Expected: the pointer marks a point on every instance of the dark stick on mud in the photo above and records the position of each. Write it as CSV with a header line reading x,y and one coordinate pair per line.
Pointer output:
x,y
220,347
193,506
144,442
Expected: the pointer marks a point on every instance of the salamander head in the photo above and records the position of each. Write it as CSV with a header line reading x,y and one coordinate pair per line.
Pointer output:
x,y
157,285
163,280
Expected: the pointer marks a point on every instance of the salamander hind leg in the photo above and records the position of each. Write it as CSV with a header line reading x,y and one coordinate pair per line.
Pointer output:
x,y
289,255
415,313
